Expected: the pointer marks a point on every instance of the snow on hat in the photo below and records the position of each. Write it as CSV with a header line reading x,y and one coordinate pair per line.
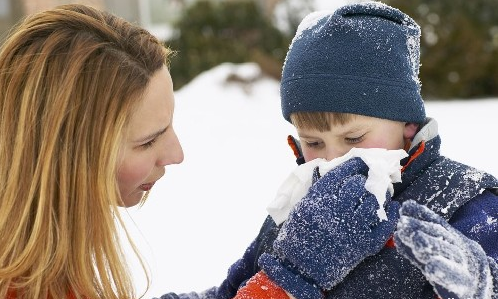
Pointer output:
x,y
363,59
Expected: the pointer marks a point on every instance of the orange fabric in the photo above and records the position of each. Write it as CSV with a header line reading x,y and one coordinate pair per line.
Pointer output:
x,y
12,294
293,146
390,243
417,153
261,287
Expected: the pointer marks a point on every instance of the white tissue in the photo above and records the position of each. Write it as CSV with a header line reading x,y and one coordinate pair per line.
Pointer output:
x,y
384,170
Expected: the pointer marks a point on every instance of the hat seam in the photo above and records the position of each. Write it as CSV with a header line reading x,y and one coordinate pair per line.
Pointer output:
x,y
393,82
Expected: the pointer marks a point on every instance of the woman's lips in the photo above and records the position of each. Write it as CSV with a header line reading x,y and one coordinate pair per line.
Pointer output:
x,y
146,187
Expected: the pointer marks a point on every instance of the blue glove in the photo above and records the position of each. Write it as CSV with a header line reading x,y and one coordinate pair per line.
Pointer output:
x,y
455,265
329,232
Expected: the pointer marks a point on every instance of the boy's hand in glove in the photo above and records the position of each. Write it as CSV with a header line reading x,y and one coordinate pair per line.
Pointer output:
x,y
455,265
329,232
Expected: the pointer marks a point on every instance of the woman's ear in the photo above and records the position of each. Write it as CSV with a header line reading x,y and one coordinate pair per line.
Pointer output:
x,y
410,130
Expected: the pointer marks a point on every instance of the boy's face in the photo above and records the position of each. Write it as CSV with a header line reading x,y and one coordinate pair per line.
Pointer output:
x,y
361,131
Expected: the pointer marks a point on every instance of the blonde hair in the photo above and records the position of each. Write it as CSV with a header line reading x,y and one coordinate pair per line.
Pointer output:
x,y
320,121
69,80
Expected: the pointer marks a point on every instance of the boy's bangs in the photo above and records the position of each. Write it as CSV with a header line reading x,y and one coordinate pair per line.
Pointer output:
x,y
320,121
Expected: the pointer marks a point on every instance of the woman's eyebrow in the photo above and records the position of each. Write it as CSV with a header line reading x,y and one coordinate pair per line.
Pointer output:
x,y
152,136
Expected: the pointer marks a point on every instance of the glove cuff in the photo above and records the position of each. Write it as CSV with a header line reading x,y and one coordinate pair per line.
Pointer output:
x,y
493,266
290,281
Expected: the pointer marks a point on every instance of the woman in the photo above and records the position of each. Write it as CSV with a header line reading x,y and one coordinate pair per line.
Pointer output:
x,y
86,126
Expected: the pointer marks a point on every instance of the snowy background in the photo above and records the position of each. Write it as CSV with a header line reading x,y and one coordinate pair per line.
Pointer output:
x,y
203,213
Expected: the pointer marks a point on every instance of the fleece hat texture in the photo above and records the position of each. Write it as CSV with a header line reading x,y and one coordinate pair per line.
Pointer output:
x,y
363,59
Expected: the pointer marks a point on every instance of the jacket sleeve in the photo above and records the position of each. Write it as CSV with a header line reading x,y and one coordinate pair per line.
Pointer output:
x,y
241,271
478,220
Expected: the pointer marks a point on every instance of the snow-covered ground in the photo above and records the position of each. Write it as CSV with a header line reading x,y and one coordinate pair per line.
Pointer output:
x,y
201,216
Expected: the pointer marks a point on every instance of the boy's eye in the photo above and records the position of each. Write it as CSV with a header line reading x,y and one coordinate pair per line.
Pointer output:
x,y
313,144
353,140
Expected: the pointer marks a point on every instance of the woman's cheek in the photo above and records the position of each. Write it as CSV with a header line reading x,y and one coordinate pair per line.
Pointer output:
x,y
131,175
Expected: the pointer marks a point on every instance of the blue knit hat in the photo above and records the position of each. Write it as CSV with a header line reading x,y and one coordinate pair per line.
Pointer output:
x,y
362,59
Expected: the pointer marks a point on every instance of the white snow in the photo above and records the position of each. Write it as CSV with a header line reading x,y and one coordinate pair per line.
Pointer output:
x,y
384,170
202,214
310,21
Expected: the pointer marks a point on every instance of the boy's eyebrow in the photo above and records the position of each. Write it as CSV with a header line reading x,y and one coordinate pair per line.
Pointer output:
x,y
352,130
347,130
304,135
152,136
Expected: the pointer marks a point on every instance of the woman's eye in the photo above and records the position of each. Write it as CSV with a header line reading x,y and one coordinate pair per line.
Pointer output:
x,y
148,144
353,140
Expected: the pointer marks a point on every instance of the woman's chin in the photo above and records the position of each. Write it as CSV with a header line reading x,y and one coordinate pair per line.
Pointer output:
x,y
132,199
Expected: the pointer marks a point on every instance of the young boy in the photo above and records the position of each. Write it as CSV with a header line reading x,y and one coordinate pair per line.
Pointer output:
x,y
351,80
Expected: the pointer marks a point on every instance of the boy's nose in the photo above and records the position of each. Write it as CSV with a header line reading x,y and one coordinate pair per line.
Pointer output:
x,y
333,152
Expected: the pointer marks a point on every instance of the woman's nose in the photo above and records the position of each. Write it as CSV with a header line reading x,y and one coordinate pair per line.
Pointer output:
x,y
172,153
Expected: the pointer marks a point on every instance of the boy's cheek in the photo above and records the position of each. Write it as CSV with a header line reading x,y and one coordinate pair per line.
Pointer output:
x,y
310,155
388,144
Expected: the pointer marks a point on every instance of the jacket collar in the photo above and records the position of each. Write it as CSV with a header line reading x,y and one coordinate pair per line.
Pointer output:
x,y
424,150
